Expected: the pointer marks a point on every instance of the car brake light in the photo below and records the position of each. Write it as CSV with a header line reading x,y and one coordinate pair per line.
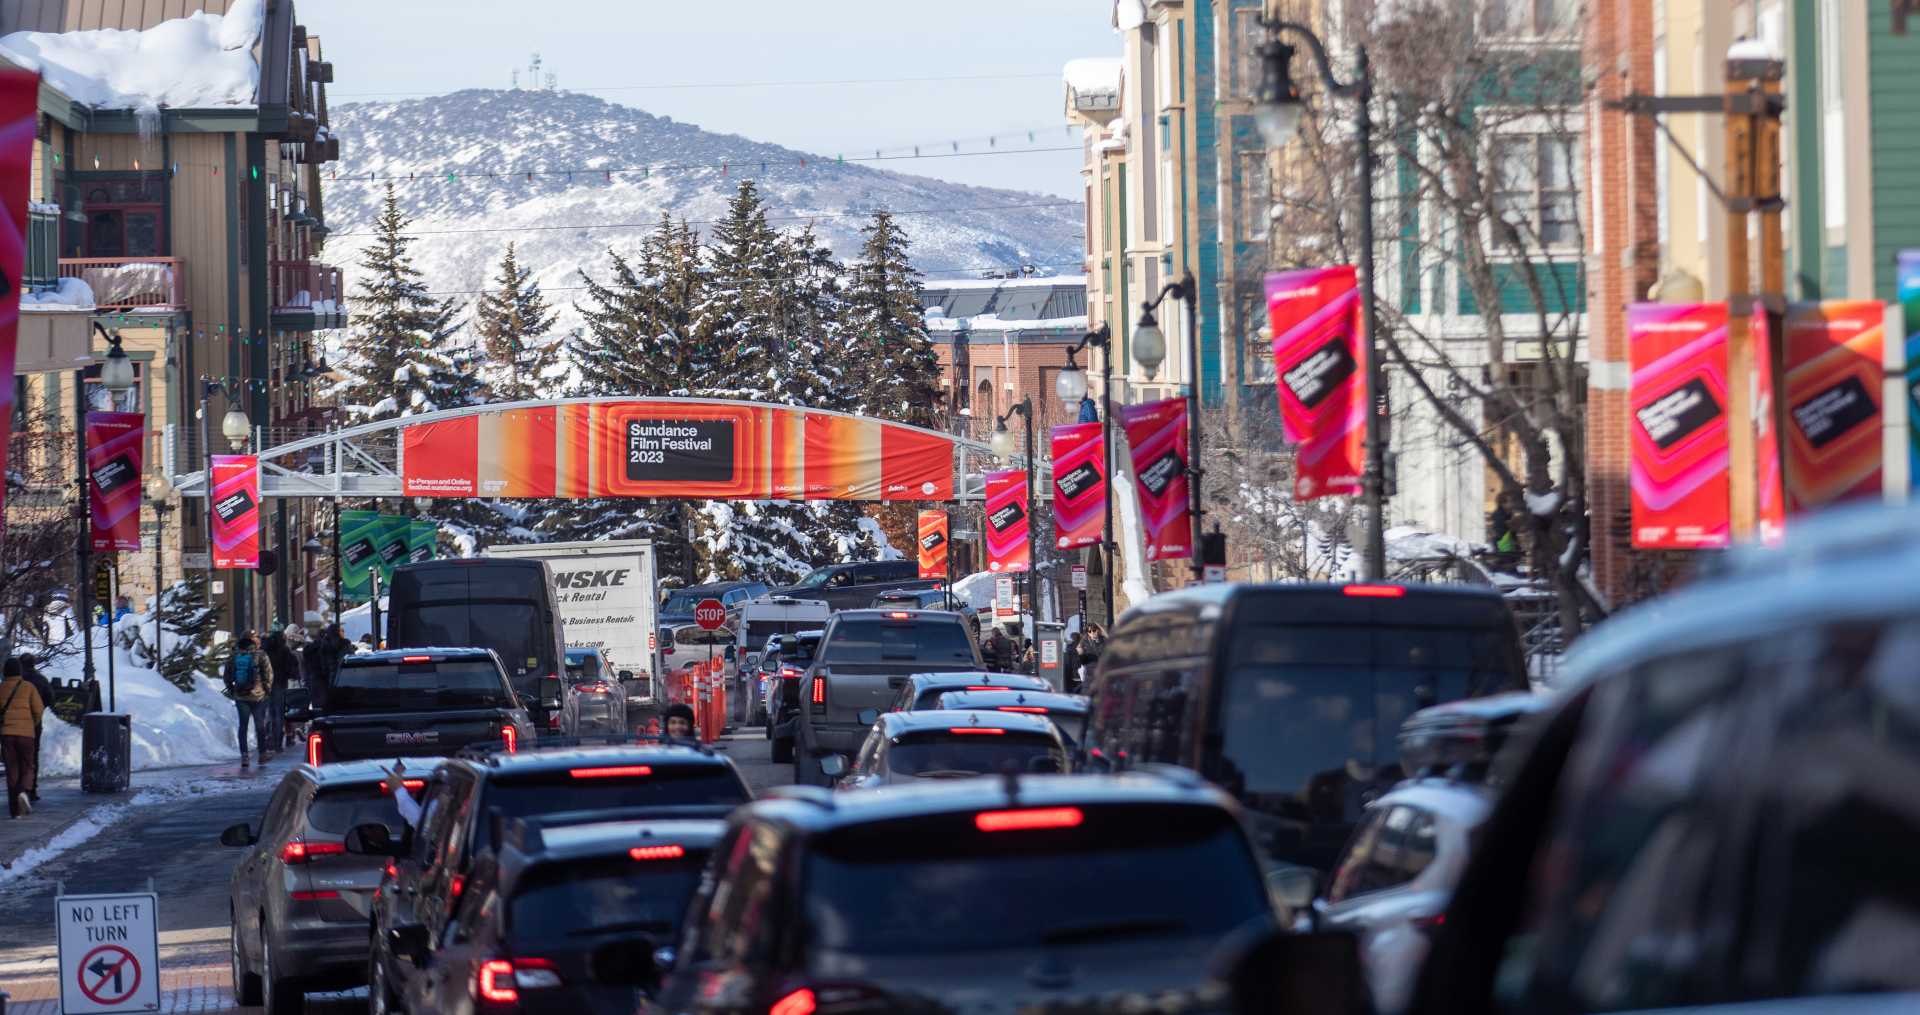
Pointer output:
x,y
1375,591
416,659
790,673
510,737
298,851
1041,817
495,982
899,615
393,869
314,896
800,1002
819,691
1029,709
313,749
411,785
992,730
609,772
657,852
1430,922
985,687
457,884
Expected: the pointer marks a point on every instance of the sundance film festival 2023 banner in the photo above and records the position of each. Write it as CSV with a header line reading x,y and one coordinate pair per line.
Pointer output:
x,y
113,479
1079,485
1319,358
1678,397
1157,438
1007,521
933,544
236,512
1832,442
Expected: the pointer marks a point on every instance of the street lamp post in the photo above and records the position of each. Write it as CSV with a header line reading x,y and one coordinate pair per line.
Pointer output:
x,y
236,428
158,490
1072,389
1150,350
1002,444
1278,108
116,376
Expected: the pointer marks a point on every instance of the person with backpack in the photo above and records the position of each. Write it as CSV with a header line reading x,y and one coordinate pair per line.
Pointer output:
x,y
20,710
249,678
322,658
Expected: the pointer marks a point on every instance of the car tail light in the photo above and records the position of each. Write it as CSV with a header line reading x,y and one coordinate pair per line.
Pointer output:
x,y
314,896
800,1002
789,673
1433,922
610,772
411,785
313,749
986,687
298,851
393,869
1019,821
1375,591
416,659
989,730
899,615
457,884
501,980
819,694
1029,709
510,737
553,721
657,852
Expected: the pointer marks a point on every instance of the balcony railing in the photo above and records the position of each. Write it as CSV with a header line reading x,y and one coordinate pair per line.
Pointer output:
x,y
129,284
305,285
43,247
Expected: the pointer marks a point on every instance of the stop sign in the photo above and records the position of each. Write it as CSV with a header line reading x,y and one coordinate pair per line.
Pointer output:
x,y
710,614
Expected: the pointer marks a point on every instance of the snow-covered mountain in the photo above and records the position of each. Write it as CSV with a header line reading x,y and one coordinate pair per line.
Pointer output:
x,y
465,222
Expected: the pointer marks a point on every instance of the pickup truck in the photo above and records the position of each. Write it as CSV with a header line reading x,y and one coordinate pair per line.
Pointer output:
x,y
864,659
853,586
416,702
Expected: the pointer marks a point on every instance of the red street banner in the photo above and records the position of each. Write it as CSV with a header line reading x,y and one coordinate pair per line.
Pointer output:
x,y
1157,436
933,544
1834,372
19,115
1007,520
1319,357
113,469
1772,513
1678,395
1079,485
236,512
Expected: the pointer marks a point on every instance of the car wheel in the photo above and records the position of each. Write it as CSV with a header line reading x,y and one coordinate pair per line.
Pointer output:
x,y
279,997
246,986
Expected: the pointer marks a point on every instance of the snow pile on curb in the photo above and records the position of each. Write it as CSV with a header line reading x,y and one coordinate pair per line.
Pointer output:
x,y
106,815
171,727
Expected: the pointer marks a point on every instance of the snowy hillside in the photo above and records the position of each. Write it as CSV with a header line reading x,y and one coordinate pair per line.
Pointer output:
x,y
513,132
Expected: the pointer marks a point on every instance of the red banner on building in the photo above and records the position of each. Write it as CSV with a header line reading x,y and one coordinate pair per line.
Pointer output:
x,y
1007,521
19,115
933,544
1157,437
1834,371
236,512
697,449
1772,501
1079,485
1678,353
1319,358
114,442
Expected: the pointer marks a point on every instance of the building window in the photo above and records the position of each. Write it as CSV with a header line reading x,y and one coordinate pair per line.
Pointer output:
x,y
1833,121
1253,318
1256,196
1243,57
124,218
1534,189
1528,18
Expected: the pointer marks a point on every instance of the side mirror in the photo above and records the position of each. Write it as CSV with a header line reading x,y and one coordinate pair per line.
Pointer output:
x,y
410,942
237,835
1268,969
1292,887
869,716
833,766
371,839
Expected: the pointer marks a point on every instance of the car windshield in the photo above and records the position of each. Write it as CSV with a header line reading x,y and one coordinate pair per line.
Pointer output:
x,y
404,686
945,755
583,666
927,640
681,603
511,630
759,630
603,895
562,792
336,810
938,884
819,577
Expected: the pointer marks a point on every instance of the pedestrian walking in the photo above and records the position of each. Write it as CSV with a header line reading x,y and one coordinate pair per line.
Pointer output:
x,y
286,671
321,657
249,677
30,670
21,709
999,651
1070,664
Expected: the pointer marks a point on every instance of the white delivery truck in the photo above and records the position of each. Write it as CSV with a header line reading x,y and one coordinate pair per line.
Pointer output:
x,y
759,620
606,595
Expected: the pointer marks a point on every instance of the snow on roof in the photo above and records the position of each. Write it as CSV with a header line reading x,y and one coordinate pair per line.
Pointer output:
x,y
1129,14
1097,75
990,322
196,62
1754,49
1004,283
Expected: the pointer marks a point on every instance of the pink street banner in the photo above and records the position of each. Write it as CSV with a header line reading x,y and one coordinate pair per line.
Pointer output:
x,y
1157,435
1007,521
19,115
1319,357
1079,485
113,471
236,512
1833,441
1772,506
1678,396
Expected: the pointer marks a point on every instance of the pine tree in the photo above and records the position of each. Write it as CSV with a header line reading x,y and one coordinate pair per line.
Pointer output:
x,y
887,334
511,325
396,358
639,323
737,318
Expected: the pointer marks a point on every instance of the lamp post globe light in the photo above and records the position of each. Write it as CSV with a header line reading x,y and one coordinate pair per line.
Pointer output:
x,y
236,428
116,372
1071,385
1003,442
1149,344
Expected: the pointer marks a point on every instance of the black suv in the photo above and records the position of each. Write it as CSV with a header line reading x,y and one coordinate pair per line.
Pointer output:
x,y
468,801
416,702
853,586
565,920
297,900
1038,893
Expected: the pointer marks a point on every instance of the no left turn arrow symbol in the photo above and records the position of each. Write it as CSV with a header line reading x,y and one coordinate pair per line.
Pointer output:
x,y
109,974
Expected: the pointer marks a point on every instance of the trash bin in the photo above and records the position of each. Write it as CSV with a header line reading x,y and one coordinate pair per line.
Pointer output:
x,y
106,752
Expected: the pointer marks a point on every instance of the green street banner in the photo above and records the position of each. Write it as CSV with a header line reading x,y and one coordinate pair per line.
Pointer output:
x,y
359,552
422,536
396,535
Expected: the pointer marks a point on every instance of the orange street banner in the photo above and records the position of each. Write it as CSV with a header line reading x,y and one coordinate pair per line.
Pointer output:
x,y
933,544
709,450
1834,370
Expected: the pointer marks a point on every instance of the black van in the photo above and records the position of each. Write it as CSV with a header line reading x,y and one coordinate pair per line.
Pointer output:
x,y
1291,696
484,602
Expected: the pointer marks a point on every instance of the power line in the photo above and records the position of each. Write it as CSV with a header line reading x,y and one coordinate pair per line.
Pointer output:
x,y
771,218
695,85
923,271
726,167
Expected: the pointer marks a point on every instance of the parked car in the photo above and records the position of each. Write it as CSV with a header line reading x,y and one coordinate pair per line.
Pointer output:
x,y
1068,711
853,586
296,899
677,606
906,747
972,895
1290,696
503,604
923,690
416,702
596,700
865,657
783,691
565,920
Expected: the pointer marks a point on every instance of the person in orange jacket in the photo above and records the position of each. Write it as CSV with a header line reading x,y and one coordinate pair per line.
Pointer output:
x,y
21,708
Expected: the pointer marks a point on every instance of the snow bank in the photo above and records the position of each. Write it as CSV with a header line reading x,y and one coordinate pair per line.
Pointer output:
x,y
153,790
201,61
171,727
70,294
1405,542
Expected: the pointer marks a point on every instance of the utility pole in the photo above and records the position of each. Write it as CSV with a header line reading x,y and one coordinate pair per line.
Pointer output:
x,y
1742,458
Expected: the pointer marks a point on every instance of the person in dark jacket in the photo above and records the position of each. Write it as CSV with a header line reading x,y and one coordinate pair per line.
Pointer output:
x,y
286,670
322,662
998,650
679,720
1070,664
30,671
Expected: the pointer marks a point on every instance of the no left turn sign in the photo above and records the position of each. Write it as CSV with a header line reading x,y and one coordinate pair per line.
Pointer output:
x,y
109,953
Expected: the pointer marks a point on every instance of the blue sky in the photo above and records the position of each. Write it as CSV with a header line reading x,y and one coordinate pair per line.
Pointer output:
x,y
758,67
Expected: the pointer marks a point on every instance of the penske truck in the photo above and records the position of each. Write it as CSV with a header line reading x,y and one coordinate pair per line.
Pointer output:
x,y
606,596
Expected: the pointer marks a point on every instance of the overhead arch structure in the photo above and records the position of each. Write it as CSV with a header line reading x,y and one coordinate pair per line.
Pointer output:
x,y
693,448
